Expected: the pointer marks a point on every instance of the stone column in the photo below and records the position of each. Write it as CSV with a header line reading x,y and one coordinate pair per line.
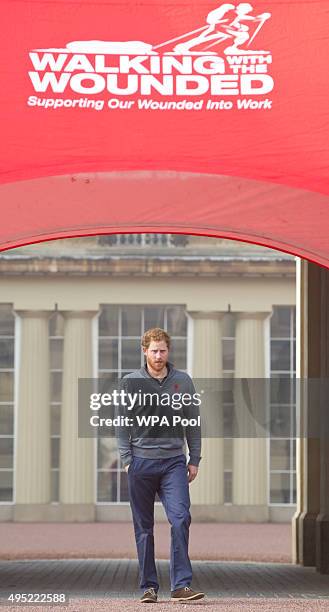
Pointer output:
x,y
311,521
208,488
322,520
32,468
250,478
77,455
308,444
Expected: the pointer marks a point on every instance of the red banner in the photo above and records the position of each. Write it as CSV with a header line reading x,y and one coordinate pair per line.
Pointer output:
x,y
225,89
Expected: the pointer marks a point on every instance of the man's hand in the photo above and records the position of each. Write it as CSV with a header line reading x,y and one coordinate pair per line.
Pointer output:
x,y
127,467
192,472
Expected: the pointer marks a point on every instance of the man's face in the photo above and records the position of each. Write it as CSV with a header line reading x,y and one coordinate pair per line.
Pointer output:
x,y
156,354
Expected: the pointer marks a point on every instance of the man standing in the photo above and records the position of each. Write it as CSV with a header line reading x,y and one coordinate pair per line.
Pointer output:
x,y
158,465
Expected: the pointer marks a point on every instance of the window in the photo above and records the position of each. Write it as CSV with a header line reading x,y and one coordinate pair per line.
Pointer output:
x,y
119,352
7,375
228,347
283,406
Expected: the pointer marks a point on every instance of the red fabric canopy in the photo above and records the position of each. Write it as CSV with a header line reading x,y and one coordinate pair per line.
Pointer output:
x,y
206,117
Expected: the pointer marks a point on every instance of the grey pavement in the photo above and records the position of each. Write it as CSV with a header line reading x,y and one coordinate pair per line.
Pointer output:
x,y
243,568
118,579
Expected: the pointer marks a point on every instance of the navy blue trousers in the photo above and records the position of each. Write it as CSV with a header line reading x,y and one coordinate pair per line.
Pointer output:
x,y
168,478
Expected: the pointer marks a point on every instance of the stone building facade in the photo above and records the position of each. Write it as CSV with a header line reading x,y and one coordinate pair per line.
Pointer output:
x,y
77,308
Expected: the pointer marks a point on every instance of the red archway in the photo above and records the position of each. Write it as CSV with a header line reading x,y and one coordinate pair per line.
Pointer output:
x,y
272,215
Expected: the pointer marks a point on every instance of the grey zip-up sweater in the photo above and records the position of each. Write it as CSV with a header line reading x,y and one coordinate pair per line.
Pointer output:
x,y
131,444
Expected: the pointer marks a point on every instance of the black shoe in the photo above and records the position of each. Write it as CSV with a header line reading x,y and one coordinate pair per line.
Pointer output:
x,y
186,594
150,596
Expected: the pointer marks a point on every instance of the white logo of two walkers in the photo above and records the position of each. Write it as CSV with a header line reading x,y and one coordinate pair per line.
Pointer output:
x,y
228,23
